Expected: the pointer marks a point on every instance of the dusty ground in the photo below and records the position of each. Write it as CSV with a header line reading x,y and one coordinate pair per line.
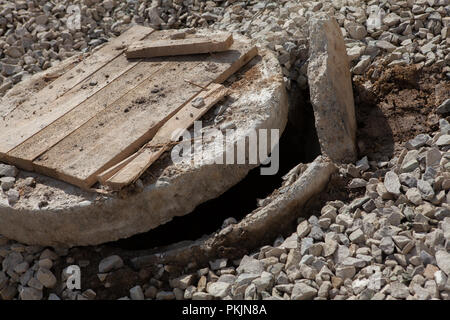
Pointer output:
x,y
397,105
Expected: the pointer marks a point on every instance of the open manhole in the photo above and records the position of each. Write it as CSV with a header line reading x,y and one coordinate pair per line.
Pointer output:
x,y
298,144
52,212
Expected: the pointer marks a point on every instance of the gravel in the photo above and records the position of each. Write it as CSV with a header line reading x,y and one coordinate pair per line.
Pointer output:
x,y
391,243
110,263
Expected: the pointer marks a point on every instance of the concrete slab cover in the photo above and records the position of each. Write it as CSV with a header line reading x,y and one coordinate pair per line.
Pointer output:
x,y
73,217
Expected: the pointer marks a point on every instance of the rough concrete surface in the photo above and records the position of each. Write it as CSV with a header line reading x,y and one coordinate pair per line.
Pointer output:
x,y
302,183
331,89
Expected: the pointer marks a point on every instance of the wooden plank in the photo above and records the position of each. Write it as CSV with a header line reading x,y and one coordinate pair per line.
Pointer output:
x,y
81,106
121,126
66,92
25,153
105,175
42,141
162,141
170,47
160,137
116,133
24,90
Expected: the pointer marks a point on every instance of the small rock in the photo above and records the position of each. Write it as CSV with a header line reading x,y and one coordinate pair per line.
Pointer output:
x,y
443,261
110,263
41,19
151,292
444,126
46,277
391,19
188,293
387,245
165,295
202,296
28,293
408,180
419,141
385,45
7,183
250,265
414,196
302,291
425,189
357,183
363,164
218,289
443,140
218,264
303,229
362,65
13,196
345,272
429,271
444,107
53,297
136,293
399,290
357,236
382,192
8,171
21,267
182,282
392,183
441,279
356,30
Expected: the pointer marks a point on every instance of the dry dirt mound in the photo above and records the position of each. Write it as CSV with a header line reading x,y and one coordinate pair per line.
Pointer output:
x,y
395,104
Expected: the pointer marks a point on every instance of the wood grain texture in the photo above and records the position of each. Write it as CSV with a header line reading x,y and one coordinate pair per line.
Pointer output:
x,y
162,141
116,133
136,73
168,47
66,92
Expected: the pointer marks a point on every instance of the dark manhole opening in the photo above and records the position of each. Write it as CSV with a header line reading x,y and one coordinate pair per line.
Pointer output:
x,y
298,144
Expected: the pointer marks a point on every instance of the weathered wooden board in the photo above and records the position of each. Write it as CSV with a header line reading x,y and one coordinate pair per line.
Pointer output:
x,y
169,47
162,134
25,90
120,130
136,72
162,140
66,92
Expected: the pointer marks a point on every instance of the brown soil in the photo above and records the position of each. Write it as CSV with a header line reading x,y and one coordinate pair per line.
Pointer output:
x,y
395,104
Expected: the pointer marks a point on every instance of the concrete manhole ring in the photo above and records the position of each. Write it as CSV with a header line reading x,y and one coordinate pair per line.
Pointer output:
x,y
72,217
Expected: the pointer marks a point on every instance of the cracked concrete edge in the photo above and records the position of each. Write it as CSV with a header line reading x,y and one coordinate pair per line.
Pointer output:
x,y
250,232
114,219
331,92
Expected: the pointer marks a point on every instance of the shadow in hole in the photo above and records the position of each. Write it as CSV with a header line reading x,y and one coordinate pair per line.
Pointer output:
x,y
374,134
298,144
